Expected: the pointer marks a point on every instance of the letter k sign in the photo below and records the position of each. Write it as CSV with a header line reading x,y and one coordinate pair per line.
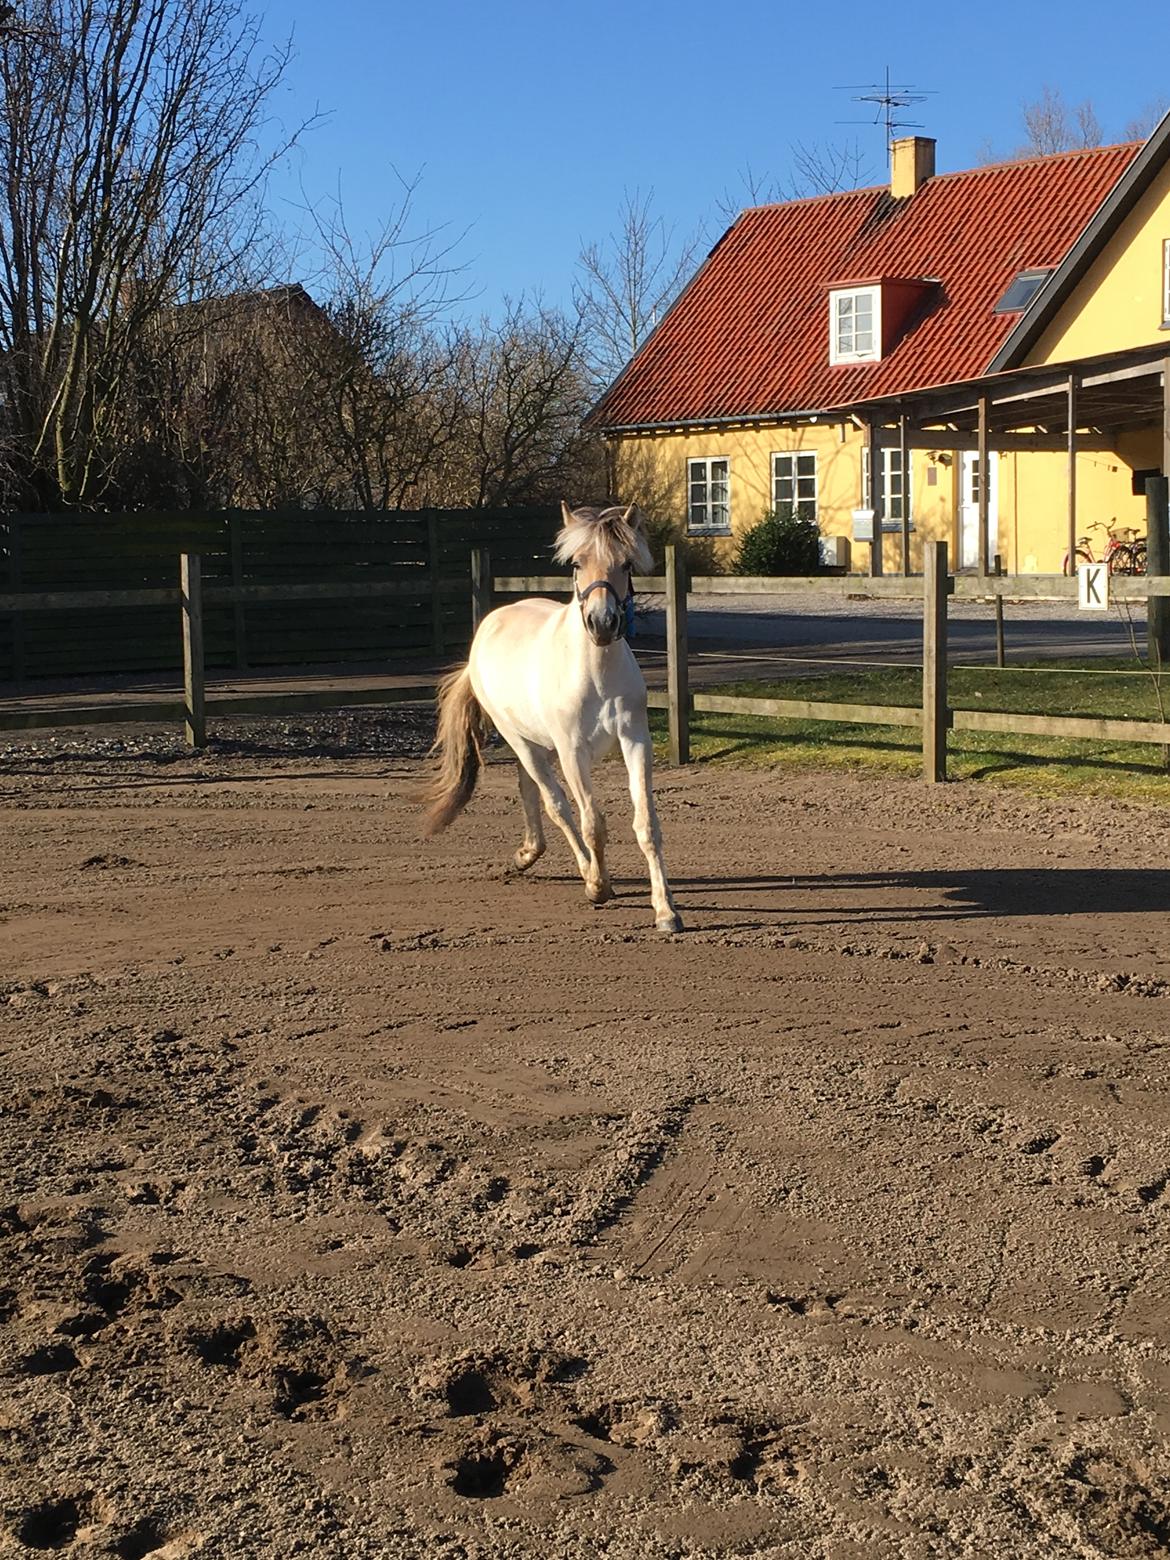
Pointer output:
x,y
1093,587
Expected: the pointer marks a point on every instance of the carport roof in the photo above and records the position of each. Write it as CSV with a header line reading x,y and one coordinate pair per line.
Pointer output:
x,y
1112,391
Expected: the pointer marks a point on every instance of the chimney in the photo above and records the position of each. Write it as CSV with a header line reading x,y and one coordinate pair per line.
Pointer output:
x,y
911,164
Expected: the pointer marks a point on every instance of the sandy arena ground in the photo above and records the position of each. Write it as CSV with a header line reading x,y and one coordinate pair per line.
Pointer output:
x,y
359,1200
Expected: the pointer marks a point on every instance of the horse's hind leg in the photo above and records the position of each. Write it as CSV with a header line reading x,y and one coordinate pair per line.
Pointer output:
x,y
538,763
533,847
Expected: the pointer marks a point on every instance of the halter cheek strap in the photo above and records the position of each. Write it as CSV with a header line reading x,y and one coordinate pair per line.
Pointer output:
x,y
626,618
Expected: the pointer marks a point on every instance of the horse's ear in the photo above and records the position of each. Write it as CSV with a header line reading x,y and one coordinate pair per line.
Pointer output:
x,y
633,517
566,513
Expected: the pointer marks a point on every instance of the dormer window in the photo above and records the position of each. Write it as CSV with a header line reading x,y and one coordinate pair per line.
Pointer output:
x,y
855,325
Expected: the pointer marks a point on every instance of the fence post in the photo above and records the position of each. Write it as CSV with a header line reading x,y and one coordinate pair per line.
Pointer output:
x,y
438,638
1158,562
191,596
1000,658
239,621
678,690
936,588
481,585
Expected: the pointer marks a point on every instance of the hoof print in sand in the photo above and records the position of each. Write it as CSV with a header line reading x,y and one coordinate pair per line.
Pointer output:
x,y
537,1465
477,1384
629,1424
296,1361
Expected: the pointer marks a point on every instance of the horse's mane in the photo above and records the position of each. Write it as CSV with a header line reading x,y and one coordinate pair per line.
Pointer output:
x,y
613,534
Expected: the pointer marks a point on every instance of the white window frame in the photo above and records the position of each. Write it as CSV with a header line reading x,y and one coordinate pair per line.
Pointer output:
x,y
851,353
708,527
891,468
807,506
1166,283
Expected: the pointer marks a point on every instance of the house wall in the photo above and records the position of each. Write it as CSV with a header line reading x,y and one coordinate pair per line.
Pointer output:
x,y
1118,302
1033,500
651,470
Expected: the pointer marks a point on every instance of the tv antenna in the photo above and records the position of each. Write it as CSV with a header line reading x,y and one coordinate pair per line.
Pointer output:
x,y
890,100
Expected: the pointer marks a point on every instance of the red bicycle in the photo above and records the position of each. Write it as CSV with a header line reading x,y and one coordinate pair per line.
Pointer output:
x,y
1125,550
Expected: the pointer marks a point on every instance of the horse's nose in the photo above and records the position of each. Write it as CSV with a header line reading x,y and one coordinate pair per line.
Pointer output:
x,y
604,620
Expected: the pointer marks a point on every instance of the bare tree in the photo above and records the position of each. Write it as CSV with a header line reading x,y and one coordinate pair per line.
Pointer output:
x,y
1141,126
131,184
1052,125
521,396
627,282
383,377
817,168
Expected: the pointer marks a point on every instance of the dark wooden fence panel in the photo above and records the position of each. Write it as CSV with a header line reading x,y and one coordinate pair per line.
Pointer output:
x,y
123,552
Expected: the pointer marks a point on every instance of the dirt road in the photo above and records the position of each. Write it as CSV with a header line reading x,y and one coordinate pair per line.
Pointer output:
x,y
359,1200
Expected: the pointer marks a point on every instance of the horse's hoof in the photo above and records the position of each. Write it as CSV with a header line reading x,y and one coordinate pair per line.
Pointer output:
x,y
599,894
668,925
523,859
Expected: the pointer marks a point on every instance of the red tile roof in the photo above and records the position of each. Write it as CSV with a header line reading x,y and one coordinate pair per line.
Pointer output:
x,y
749,336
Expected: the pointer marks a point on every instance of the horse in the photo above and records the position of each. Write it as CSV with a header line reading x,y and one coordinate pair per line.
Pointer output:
x,y
561,680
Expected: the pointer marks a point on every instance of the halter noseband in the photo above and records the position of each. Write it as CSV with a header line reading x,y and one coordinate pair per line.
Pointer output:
x,y
625,608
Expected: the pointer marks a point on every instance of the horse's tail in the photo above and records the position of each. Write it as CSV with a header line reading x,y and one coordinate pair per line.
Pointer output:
x,y
461,733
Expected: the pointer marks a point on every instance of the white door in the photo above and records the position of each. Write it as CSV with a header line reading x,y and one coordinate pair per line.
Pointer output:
x,y
969,509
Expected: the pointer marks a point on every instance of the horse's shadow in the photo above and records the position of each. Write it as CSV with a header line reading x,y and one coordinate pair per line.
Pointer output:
x,y
957,895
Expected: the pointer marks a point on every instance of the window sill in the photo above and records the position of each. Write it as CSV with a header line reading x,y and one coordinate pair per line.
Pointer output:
x,y
708,530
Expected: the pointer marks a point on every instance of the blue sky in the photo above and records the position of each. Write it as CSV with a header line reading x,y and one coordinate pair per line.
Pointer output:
x,y
527,122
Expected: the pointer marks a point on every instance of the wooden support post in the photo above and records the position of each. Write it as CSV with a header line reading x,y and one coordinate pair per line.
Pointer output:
x,y
677,672
191,597
1158,562
434,564
239,620
1072,474
984,491
936,588
1000,658
907,496
875,498
481,585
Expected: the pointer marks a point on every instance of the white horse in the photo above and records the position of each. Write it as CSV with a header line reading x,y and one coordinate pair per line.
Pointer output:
x,y
561,680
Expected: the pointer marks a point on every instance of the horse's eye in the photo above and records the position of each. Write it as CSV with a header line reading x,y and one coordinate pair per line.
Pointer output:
x,y
576,565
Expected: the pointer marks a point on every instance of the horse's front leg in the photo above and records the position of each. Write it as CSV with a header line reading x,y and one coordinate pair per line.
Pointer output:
x,y
638,754
576,767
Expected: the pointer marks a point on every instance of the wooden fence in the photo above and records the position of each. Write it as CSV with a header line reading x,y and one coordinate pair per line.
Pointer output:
x,y
197,601
65,579
931,592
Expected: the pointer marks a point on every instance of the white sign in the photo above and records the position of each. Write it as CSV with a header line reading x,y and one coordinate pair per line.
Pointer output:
x,y
1092,587
863,525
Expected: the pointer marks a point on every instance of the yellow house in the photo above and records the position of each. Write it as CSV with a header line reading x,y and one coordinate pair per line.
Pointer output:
x,y
835,354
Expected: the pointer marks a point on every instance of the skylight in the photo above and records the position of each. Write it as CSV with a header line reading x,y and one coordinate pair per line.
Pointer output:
x,y
1021,290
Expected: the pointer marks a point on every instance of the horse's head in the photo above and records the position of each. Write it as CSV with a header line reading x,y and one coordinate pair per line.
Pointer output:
x,y
606,548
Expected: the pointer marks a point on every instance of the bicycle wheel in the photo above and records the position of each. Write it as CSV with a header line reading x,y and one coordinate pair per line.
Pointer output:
x,y
1138,554
1082,557
1120,559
